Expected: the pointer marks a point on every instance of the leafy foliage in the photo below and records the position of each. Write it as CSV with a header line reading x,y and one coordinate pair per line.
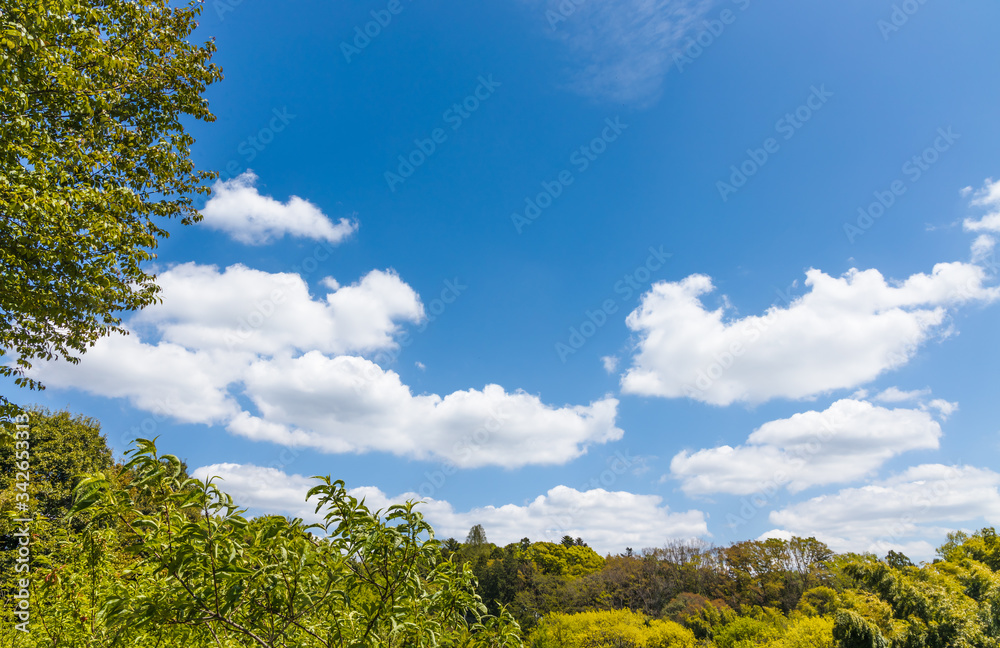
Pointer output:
x,y
609,629
140,554
92,154
170,560
61,448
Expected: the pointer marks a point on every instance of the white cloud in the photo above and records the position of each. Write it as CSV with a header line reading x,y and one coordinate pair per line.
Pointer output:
x,y
165,379
845,442
269,313
944,408
897,395
989,197
610,363
922,502
237,209
258,336
624,48
985,244
983,247
349,404
608,521
844,332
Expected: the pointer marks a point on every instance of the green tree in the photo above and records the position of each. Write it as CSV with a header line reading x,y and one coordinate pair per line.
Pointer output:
x,y
941,605
851,630
807,632
60,448
63,446
93,155
609,629
564,560
193,571
476,536
745,632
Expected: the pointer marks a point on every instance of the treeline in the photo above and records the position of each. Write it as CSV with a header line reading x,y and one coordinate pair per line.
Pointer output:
x,y
533,579
774,593
139,554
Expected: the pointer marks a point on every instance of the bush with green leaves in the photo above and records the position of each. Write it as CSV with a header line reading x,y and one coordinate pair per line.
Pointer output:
x,y
169,561
609,629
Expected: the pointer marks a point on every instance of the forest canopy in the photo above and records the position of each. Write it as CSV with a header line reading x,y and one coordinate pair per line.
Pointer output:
x,y
137,553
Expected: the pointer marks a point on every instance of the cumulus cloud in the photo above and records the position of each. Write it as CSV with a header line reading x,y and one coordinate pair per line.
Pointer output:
x,y
983,248
238,209
608,521
923,502
165,379
845,331
622,49
846,442
269,313
231,337
350,404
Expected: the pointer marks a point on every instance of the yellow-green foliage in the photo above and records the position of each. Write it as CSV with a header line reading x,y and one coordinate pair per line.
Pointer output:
x,y
748,632
609,629
818,601
560,560
807,632
873,609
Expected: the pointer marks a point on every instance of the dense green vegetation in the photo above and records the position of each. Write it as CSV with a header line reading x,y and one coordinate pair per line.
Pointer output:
x,y
93,158
144,555
139,554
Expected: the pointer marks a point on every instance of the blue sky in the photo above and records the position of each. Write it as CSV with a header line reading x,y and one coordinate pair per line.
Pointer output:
x,y
627,270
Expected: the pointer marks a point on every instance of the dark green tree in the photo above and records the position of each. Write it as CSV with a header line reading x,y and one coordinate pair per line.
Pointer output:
x,y
63,446
60,448
851,630
476,536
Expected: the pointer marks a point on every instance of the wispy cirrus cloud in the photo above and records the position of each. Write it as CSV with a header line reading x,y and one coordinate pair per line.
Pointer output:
x,y
621,50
